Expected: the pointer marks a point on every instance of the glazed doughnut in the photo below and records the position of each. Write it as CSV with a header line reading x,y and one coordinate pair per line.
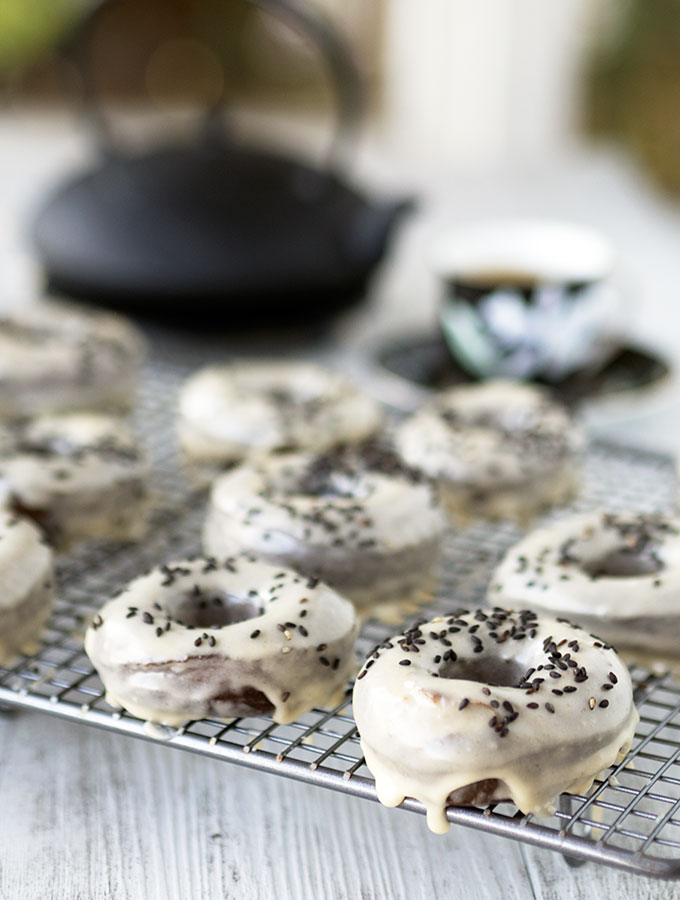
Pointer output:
x,y
56,356
498,450
358,519
228,411
26,586
617,575
77,475
481,706
203,638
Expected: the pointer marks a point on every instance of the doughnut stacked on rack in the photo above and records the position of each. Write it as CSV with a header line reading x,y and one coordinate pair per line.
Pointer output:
x,y
70,469
67,459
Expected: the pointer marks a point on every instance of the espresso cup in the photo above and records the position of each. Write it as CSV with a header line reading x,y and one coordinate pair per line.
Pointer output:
x,y
527,298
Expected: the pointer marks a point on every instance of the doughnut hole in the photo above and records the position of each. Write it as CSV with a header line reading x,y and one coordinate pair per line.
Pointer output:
x,y
623,563
490,670
321,480
214,609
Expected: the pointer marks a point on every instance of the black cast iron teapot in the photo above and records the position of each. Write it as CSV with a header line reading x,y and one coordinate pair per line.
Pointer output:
x,y
218,228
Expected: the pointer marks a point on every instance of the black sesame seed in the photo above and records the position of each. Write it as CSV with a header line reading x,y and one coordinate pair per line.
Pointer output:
x,y
613,678
532,705
159,631
550,707
463,703
404,662
255,633
604,703
147,618
286,695
324,661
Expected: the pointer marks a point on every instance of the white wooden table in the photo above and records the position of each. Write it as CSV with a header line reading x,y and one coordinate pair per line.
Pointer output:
x,y
87,815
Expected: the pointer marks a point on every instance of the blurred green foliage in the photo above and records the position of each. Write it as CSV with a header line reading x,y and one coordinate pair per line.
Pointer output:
x,y
31,28
634,85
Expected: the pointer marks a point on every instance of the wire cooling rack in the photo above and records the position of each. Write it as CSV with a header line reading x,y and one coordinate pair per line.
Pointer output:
x,y
630,820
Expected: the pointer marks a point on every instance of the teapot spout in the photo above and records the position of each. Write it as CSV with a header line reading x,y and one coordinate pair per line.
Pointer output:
x,y
374,228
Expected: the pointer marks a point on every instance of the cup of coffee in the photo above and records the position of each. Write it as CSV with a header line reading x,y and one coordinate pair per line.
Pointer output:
x,y
527,298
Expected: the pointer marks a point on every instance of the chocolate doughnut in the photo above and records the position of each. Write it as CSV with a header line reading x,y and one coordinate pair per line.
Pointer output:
x,y
26,586
236,637
485,705
227,412
615,574
57,356
498,450
80,476
358,519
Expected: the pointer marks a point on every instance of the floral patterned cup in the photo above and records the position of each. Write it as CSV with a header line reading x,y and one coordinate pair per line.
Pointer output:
x,y
527,298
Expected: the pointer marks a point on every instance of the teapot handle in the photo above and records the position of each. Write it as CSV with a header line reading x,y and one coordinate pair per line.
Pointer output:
x,y
343,73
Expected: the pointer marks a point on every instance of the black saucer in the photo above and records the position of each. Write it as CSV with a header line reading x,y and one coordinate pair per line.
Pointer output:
x,y
426,361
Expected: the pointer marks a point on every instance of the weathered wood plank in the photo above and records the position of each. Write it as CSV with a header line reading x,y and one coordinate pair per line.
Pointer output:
x,y
90,815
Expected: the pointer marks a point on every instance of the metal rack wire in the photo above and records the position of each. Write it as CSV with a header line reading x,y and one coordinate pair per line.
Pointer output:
x,y
631,819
